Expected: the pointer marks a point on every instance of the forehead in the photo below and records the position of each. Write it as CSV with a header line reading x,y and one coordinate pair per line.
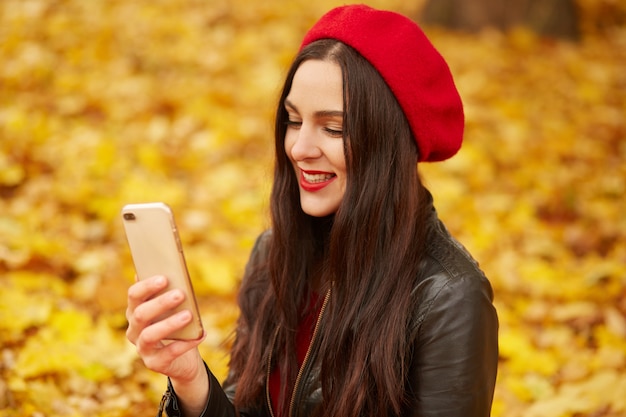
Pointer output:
x,y
317,85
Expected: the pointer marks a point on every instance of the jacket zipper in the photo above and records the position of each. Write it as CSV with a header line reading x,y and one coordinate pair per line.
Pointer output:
x,y
308,354
304,362
165,400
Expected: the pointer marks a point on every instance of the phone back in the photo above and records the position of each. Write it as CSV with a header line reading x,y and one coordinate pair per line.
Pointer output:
x,y
156,250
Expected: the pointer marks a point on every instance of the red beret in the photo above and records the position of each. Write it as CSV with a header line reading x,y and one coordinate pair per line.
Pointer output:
x,y
413,69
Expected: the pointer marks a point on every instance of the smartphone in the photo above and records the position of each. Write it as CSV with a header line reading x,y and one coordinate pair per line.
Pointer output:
x,y
156,250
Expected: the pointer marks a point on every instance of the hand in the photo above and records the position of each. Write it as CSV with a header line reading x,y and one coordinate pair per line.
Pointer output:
x,y
180,360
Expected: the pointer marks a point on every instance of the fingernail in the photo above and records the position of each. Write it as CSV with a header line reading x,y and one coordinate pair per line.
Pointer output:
x,y
176,295
159,281
184,316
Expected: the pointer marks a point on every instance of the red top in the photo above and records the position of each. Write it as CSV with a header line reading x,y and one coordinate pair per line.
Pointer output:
x,y
303,340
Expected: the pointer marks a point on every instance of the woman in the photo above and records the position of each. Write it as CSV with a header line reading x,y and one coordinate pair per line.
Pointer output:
x,y
358,302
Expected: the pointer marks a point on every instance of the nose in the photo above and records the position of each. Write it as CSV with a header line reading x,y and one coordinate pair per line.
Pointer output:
x,y
304,144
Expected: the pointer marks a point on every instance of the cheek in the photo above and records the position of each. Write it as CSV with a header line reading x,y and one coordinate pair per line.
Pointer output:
x,y
287,145
339,159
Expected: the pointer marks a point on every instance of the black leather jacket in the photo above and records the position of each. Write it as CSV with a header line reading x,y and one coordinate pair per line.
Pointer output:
x,y
455,336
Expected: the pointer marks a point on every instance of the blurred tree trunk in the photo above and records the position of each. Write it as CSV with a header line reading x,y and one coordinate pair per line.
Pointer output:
x,y
553,18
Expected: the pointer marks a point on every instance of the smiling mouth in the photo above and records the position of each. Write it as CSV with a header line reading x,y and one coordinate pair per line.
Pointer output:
x,y
312,181
315,178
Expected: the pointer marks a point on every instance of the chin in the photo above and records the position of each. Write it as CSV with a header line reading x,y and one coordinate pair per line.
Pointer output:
x,y
318,213
318,210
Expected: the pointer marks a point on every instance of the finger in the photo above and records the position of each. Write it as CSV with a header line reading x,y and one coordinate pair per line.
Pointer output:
x,y
151,311
144,290
155,333
159,356
173,359
137,294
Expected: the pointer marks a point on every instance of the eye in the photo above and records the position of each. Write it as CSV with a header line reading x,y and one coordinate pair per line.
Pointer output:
x,y
336,133
293,124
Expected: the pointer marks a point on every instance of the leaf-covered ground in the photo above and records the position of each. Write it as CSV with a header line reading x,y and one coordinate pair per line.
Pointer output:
x,y
105,102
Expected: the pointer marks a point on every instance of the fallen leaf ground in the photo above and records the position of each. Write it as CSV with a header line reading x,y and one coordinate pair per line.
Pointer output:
x,y
108,102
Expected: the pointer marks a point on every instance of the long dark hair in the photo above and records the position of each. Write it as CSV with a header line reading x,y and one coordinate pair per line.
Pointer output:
x,y
368,252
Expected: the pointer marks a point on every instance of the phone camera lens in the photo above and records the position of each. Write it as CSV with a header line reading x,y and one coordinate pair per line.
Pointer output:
x,y
129,216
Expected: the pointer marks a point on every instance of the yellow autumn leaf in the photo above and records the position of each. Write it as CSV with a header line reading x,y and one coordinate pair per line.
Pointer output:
x,y
68,341
213,275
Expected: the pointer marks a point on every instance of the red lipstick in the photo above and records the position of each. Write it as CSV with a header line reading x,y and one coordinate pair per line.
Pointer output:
x,y
318,184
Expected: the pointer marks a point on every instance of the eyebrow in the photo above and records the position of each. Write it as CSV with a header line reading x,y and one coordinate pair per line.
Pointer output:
x,y
319,113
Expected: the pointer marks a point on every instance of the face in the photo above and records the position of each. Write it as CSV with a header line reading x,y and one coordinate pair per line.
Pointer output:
x,y
314,138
